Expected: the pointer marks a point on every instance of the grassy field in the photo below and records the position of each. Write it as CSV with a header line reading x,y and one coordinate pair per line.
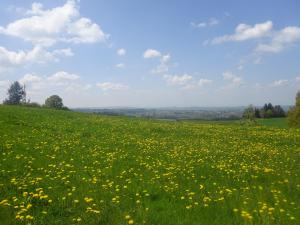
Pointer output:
x,y
273,122
61,167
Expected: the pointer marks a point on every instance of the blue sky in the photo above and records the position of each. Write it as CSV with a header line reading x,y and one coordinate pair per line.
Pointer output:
x,y
152,53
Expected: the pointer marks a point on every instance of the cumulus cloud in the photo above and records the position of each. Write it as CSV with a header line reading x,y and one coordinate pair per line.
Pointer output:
x,y
280,40
68,81
245,32
63,76
186,81
30,78
273,41
151,53
209,23
163,67
121,52
233,79
10,59
49,26
164,59
298,78
178,79
107,86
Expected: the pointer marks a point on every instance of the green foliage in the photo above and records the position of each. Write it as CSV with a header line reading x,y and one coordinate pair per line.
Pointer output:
x,y
269,111
16,93
294,113
71,168
278,111
54,101
249,113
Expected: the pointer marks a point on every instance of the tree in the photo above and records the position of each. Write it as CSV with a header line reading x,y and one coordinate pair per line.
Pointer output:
x,y
16,93
249,113
278,111
54,101
294,113
257,113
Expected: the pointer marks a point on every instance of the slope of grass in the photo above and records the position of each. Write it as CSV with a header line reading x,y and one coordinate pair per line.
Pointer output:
x,y
61,167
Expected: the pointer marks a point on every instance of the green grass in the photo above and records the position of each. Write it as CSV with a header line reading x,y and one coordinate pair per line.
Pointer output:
x,y
274,122
60,167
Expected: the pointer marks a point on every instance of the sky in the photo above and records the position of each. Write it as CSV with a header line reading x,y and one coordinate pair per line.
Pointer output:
x,y
142,53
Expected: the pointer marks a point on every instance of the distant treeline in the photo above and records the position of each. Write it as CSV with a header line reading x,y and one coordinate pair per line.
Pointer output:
x,y
16,95
270,111
267,111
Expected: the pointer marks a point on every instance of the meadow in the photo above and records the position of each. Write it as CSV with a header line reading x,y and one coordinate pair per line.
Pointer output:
x,y
59,167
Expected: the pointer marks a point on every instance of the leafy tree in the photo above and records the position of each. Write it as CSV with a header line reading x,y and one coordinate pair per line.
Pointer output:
x,y
270,107
54,101
16,93
278,111
268,113
249,113
294,113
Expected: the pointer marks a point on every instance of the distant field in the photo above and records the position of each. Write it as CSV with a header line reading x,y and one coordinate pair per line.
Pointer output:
x,y
274,122
60,167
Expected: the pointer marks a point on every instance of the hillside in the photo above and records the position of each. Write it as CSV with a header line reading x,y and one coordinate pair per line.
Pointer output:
x,y
59,167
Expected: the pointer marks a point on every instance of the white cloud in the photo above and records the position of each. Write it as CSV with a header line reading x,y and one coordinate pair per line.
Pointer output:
x,y
30,78
84,31
63,76
245,32
178,79
233,79
120,65
279,83
151,53
63,23
163,67
46,84
11,59
210,22
280,40
106,86
298,78
202,82
121,52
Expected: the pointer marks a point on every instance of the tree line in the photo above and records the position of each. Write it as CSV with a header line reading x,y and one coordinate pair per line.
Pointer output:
x,y
270,111
17,96
267,111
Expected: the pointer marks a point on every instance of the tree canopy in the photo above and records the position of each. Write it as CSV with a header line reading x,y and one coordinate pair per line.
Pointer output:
x,y
54,101
16,94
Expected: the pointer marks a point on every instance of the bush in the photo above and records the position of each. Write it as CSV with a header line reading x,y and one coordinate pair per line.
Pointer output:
x,y
294,113
54,101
